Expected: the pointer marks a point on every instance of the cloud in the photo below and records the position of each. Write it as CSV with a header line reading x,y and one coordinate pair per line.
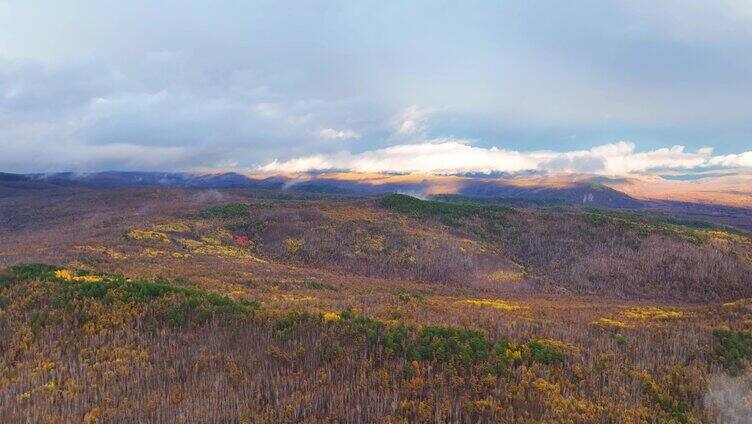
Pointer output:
x,y
453,156
114,156
412,121
222,85
176,124
332,134
740,160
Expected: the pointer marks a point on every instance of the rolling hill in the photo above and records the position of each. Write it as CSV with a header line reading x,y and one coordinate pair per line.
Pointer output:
x,y
124,302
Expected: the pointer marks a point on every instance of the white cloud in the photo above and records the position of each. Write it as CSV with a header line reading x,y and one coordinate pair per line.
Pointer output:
x,y
332,134
743,160
412,120
453,156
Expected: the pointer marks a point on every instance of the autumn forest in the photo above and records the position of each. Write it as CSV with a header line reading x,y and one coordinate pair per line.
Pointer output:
x,y
265,306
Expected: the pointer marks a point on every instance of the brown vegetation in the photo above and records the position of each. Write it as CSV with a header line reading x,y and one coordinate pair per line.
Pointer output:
x,y
161,309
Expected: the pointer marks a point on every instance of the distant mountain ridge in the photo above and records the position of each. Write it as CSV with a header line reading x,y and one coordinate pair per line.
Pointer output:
x,y
158,179
576,193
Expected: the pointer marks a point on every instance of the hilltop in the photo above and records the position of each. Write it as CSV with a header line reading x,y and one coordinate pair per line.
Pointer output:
x,y
553,248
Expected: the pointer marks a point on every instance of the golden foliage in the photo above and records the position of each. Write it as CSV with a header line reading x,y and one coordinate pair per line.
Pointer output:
x,y
173,227
64,274
741,305
67,275
138,234
330,316
216,248
506,276
294,245
92,416
652,313
494,303
611,323
374,243
157,253
211,240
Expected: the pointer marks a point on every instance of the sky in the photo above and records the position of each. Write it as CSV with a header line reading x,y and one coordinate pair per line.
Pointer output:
x,y
608,87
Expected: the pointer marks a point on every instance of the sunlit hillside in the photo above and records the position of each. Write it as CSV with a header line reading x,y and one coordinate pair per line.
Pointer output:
x,y
261,305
